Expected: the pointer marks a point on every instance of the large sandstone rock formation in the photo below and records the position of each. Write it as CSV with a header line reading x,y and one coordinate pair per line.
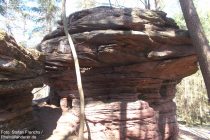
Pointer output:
x,y
20,71
131,61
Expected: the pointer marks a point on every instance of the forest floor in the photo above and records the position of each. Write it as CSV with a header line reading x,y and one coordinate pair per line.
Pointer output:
x,y
194,133
47,116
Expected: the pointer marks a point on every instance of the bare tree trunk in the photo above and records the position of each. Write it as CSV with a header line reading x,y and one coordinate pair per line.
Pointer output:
x,y
198,38
78,74
110,3
147,4
156,4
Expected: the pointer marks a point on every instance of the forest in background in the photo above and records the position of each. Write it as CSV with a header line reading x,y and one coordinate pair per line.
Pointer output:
x,y
191,96
36,20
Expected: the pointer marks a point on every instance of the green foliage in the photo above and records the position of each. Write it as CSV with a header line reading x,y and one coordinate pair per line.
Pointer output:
x,y
27,20
48,11
180,21
205,20
84,4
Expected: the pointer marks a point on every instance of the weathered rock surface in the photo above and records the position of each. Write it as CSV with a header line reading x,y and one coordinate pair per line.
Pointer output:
x,y
131,61
20,72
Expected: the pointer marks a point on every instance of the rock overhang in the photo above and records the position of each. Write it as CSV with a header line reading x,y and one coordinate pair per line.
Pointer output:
x,y
128,58
103,38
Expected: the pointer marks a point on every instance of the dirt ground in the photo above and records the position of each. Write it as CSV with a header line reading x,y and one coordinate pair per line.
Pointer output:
x,y
46,117
185,135
194,133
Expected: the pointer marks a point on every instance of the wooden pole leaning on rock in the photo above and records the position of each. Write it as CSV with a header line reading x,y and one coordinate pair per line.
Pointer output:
x,y
78,75
199,40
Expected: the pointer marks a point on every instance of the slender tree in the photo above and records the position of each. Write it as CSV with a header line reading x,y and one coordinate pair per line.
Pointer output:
x,y
147,4
78,74
157,4
110,3
198,38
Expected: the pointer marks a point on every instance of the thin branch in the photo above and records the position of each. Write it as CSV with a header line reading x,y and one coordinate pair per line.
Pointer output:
x,y
142,2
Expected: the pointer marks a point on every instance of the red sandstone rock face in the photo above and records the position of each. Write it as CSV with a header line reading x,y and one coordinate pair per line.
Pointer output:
x,y
131,61
20,72
120,120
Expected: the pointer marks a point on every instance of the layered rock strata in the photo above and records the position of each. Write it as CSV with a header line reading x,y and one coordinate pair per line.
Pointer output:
x,y
20,72
131,61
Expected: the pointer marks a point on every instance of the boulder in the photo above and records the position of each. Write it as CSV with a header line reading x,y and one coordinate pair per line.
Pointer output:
x,y
131,61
